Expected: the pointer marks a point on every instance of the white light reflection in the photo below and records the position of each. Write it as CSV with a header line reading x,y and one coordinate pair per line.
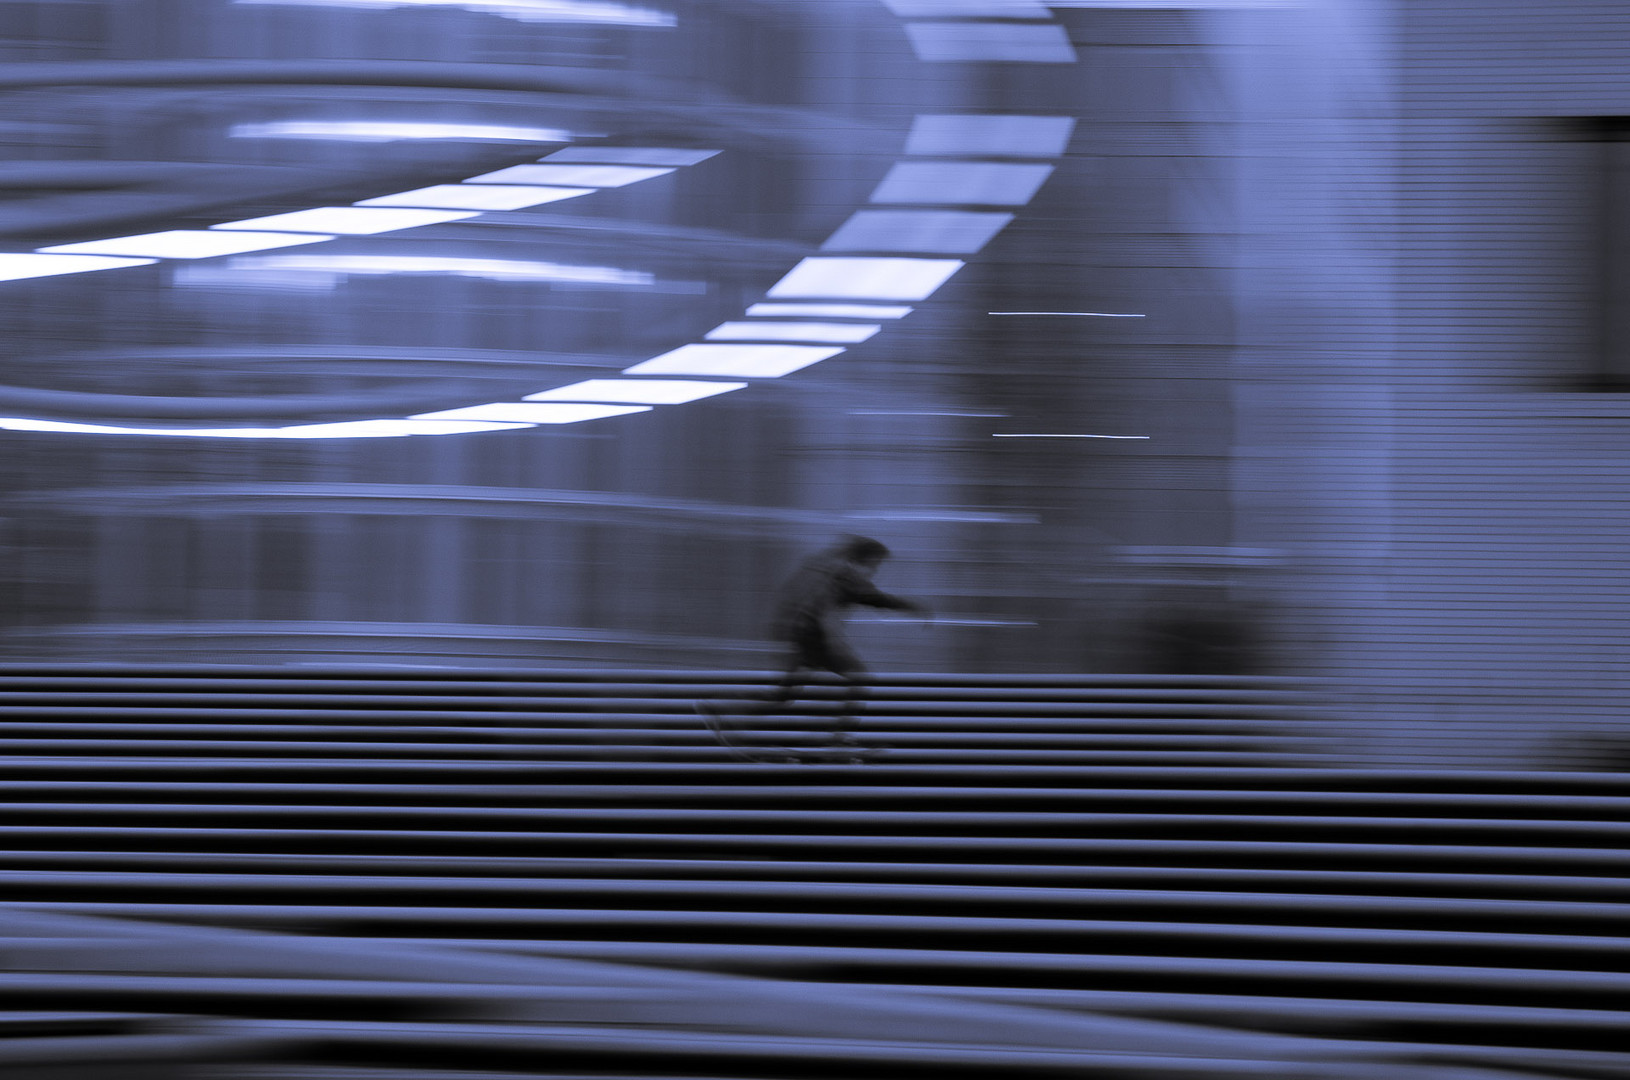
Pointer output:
x,y
629,155
534,11
936,232
969,9
638,391
389,131
349,220
1091,314
532,413
967,183
831,311
593,176
344,430
1045,436
476,196
745,361
332,268
186,244
831,333
19,266
866,279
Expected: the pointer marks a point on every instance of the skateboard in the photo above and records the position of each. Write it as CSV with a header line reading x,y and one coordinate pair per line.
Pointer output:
x,y
837,754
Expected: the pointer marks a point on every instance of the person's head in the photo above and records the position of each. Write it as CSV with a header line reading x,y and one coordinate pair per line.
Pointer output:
x,y
863,551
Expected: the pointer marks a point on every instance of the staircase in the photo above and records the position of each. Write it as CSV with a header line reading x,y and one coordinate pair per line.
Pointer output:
x,y
293,874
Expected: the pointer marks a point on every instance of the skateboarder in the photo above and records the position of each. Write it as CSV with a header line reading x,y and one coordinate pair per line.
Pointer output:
x,y
807,616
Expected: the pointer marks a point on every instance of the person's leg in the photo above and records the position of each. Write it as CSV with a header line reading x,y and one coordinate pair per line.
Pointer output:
x,y
857,680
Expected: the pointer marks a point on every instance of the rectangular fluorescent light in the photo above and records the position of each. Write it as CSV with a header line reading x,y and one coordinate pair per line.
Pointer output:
x,y
1024,43
927,232
628,155
476,196
394,131
522,412
832,333
530,11
961,183
591,176
349,220
638,391
385,429
743,361
866,279
969,9
830,311
187,244
990,136
20,265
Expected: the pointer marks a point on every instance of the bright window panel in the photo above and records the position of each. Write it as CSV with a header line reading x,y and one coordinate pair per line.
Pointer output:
x,y
629,155
187,244
638,391
742,361
350,220
389,131
1004,42
832,333
477,196
592,176
990,136
523,412
16,267
830,311
961,183
928,232
866,279
969,9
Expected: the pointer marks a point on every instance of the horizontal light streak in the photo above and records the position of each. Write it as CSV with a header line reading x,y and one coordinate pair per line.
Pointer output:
x,y
929,232
590,176
1091,314
187,244
638,391
477,196
19,266
349,220
990,135
494,269
532,412
352,429
831,333
1054,436
866,279
830,311
962,183
532,11
968,9
629,155
743,361
393,131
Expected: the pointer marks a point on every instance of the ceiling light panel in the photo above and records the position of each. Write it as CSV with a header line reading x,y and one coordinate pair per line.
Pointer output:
x,y
1005,42
741,361
866,279
523,412
477,196
629,155
969,9
961,183
592,176
350,220
638,391
928,232
990,136
21,265
389,131
830,311
830,333
187,244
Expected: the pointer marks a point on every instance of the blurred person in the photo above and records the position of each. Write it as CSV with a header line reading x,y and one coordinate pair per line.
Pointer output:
x,y
808,614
